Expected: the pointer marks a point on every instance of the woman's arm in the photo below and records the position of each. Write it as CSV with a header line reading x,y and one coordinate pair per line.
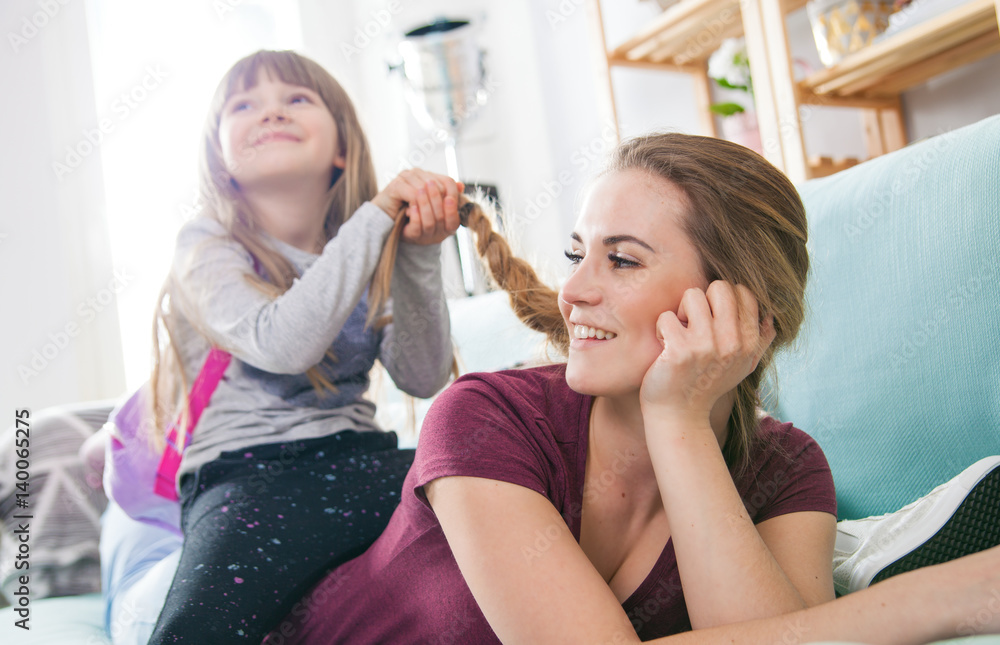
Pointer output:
x,y
728,570
291,333
416,348
535,585
528,574
731,570
958,598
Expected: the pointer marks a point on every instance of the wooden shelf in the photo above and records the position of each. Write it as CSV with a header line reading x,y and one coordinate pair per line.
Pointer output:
x,y
684,36
912,56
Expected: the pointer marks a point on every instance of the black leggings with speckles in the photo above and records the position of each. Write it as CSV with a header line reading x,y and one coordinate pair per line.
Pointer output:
x,y
263,525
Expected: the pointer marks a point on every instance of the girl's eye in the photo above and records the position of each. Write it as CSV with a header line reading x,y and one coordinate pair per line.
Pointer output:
x,y
573,257
240,105
300,98
621,262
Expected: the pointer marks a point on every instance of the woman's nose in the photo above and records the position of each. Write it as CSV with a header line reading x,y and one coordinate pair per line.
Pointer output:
x,y
582,287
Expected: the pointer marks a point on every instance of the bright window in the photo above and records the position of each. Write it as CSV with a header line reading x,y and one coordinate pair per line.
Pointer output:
x,y
156,65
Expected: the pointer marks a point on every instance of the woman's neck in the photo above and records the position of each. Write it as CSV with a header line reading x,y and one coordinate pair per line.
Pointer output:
x,y
617,428
293,213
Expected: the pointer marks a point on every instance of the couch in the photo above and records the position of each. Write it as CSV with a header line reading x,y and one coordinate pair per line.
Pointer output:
x,y
896,372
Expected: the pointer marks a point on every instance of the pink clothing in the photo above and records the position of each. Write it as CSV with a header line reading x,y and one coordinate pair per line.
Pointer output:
x,y
526,427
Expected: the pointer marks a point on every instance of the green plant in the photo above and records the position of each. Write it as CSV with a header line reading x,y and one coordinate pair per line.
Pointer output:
x,y
729,67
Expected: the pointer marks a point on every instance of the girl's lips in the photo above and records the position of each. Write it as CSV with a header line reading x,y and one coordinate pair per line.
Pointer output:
x,y
275,136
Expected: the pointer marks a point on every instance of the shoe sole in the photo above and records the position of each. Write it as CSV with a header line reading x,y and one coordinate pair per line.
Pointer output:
x,y
974,527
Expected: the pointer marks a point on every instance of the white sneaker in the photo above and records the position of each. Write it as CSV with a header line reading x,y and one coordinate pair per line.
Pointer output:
x,y
959,517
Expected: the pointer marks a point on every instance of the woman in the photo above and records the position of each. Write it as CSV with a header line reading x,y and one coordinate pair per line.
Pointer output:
x,y
632,492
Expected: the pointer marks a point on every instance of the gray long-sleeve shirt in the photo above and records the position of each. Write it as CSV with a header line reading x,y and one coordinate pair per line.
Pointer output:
x,y
265,396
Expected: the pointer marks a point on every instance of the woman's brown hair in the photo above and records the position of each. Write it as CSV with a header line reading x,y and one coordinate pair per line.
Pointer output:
x,y
748,224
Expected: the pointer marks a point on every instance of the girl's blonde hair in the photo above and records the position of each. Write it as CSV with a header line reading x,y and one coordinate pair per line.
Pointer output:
x,y
747,223
223,202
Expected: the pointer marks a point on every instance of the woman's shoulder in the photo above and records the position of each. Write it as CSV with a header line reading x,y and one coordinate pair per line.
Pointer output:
x,y
516,395
783,433
542,377
781,446
532,387
788,472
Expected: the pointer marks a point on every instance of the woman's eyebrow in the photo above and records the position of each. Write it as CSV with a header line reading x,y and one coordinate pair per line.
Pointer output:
x,y
615,239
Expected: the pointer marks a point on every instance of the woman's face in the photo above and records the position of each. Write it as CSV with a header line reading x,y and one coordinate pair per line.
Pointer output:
x,y
631,261
274,131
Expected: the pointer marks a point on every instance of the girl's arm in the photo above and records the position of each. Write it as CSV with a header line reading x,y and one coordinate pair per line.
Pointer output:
x,y
731,570
544,590
291,333
416,348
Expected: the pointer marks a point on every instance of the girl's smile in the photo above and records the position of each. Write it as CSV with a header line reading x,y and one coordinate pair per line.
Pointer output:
x,y
278,132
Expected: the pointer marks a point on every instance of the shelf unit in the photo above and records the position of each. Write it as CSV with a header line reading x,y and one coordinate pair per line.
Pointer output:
x,y
682,38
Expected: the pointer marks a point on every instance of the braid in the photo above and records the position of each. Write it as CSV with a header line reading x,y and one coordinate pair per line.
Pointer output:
x,y
534,302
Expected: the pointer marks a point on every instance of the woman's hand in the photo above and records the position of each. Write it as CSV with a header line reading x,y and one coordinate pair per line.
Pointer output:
x,y
713,342
430,201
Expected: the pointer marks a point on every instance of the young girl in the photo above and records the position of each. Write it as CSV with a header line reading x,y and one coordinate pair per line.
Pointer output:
x,y
287,474
634,492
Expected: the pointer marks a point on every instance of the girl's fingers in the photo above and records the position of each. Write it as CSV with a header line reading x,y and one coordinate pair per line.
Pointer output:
x,y
451,218
425,211
432,203
436,202
414,227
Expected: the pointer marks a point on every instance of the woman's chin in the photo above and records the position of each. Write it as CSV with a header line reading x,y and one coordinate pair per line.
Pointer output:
x,y
593,382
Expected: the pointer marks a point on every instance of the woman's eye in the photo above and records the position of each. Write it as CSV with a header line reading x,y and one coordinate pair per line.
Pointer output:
x,y
621,262
573,256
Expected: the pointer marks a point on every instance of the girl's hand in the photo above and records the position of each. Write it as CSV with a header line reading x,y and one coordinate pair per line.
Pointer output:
x,y
430,201
710,345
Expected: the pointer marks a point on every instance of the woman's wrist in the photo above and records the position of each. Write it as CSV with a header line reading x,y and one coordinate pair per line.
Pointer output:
x,y
664,419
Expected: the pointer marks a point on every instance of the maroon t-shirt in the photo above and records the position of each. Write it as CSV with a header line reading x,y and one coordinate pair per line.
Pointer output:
x,y
526,427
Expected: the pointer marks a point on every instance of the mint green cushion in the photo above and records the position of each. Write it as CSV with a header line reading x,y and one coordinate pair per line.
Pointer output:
x,y
71,620
897,372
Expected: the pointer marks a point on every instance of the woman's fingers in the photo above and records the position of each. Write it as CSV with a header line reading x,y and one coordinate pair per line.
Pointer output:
x,y
727,311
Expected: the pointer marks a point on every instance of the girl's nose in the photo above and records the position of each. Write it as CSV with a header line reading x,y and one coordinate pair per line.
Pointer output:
x,y
274,113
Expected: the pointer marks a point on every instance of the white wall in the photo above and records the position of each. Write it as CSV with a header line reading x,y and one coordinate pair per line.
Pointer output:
x,y
539,138
59,329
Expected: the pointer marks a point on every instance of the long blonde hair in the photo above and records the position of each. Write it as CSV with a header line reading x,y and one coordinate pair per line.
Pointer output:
x,y
747,223
223,202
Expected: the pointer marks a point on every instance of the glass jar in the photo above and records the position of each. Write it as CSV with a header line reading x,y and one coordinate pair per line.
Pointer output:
x,y
841,27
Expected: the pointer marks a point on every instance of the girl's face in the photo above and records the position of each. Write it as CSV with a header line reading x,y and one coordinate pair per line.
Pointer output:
x,y
276,132
632,261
